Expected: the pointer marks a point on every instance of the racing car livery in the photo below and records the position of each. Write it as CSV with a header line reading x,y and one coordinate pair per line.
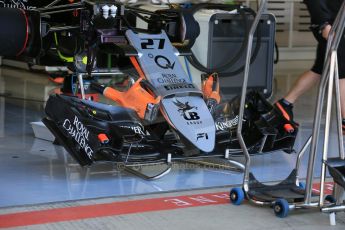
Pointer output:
x,y
163,114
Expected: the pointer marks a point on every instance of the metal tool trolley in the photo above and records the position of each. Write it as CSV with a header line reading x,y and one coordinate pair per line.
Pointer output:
x,y
290,194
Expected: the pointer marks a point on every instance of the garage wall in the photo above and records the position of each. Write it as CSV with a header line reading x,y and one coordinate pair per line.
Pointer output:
x,y
294,39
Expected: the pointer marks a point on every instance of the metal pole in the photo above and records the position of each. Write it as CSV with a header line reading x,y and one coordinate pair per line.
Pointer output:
x,y
333,43
59,7
244,92
62,28
81,85
327,127
60,11
52,3
300,155
338,112
340,208
315,135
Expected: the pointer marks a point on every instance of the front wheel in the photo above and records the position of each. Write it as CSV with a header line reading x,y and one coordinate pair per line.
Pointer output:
x,y
301,185
281,208
236,196
330,199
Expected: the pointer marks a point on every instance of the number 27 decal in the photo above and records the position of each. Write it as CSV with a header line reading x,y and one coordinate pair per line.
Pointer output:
x,y
149,43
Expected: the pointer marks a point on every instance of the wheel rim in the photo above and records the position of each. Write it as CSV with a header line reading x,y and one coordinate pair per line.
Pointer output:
x,y
233,196
281,208
277,208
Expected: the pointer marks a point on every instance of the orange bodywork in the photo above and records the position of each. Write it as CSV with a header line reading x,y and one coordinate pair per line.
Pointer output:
x,y
136,97
57,80
210,88
137,67
282,110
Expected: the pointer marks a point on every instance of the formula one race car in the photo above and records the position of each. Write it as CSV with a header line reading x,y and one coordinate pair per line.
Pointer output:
x,y
162,115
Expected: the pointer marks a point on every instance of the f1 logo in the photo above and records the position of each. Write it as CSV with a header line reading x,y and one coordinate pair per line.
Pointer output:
x,y
201,135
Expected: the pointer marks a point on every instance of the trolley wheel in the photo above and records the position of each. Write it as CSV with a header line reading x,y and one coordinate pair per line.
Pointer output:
x,y
330,199
236,196
301,185
281,208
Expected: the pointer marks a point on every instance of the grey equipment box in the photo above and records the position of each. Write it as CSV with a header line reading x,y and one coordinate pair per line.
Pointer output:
x,y
226,36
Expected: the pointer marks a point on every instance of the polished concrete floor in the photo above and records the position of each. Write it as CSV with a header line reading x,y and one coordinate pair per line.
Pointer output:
x,y
34,171
219,216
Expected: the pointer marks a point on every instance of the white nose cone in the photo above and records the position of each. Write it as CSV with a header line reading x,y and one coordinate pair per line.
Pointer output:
x,y
191,118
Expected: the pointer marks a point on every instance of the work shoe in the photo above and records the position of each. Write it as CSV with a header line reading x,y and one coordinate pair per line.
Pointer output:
x,y
285,110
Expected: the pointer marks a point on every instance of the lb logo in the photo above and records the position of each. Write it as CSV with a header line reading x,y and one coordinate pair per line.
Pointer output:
x,y
191,116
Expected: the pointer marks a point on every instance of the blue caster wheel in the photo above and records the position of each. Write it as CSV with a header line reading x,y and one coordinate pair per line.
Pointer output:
x,y
281,208
330,199
236,196
301,185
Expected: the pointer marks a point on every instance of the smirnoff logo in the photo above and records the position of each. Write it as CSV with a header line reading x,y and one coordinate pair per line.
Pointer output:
x,y
80,134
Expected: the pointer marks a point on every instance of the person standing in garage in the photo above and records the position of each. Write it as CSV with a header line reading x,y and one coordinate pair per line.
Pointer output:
x,y
323,14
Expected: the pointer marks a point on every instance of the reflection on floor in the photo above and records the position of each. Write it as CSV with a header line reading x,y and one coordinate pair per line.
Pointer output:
x,y
35,171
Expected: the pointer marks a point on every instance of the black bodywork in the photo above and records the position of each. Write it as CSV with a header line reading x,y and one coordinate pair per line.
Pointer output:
x,y
76,124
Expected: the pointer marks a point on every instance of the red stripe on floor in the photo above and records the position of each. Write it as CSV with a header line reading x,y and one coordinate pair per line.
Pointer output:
x,y
120,208
328,188
111,209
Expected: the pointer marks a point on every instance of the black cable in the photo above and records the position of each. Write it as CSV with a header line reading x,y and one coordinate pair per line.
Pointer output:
x,y
145,19
252,59
195,62
220,69
135,29
57,45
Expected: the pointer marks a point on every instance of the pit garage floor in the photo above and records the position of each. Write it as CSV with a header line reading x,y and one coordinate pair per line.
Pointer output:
x,y
35,172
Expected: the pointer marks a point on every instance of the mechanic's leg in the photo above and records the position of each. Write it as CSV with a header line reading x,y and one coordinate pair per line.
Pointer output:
x,y
305,82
